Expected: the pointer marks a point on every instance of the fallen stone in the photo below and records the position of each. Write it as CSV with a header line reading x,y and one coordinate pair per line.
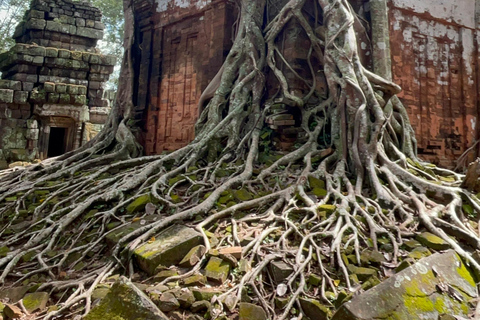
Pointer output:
x,y
314,280
432,241
169,248
195,280
228,258
168,302
164,274
314,310
35,301
413,293
185,297
13,294
125,301
217,270
200,306
114,236
280,271
138,204
193,256
234,251
100,292
12,312
248,311
205,293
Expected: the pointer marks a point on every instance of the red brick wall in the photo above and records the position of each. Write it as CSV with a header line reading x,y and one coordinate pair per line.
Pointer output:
x,y
190,45
433,61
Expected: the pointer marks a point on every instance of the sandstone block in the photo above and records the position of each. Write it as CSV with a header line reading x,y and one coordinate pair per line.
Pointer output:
x,y
35,301
248,311
36,24
413,293
51,52
9,84
35,14
169,248
20,97
126,301
6,95
314,310
49,87
89,32
61,88
217,270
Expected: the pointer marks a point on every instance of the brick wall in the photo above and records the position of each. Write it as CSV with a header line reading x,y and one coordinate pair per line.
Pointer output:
x,y
433,60
188,46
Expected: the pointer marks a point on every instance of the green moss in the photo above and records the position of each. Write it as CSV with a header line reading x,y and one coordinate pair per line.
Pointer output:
x,y
242,195
465,274
415,305
138,204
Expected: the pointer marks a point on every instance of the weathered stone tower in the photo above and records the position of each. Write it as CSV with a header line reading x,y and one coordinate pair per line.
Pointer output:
x,y
52,96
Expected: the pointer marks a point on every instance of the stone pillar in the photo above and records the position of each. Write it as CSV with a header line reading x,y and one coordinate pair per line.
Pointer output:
x,y
382,64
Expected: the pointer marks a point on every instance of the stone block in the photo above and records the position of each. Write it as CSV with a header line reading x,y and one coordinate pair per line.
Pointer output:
x,y
76,55
72,89
82,90
20,97
27,86
168,249
51,52
314,310
38,60
64,98
193,256
90,23
126,301
249,311
36,301
36,24
413,293
49,87
217,270
53,26
36,14
432,241
9,84
79,99
280,271
89,32
53,97
98,25
80,22
61,88
6,95
64,54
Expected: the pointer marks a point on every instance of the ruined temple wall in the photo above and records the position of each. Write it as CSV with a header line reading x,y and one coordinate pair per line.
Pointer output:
x,y
189,41
434,58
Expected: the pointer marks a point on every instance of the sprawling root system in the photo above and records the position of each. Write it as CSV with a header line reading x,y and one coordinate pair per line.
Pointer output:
x,y
353,182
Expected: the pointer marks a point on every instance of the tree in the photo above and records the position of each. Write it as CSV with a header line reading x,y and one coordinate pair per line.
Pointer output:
x,y
11,12
359,143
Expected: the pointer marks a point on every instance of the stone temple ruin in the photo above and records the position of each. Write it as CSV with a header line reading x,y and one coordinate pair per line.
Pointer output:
x,y
52,91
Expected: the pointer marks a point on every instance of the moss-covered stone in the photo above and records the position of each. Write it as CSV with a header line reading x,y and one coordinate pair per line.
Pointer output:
x,y
248,311
125,302
328,208
314,310
319,192
169,248
138,204
195,280
164,274
35,301
413,293
217,270
432,241
242,195
205,293
280,271
193,256
316,183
